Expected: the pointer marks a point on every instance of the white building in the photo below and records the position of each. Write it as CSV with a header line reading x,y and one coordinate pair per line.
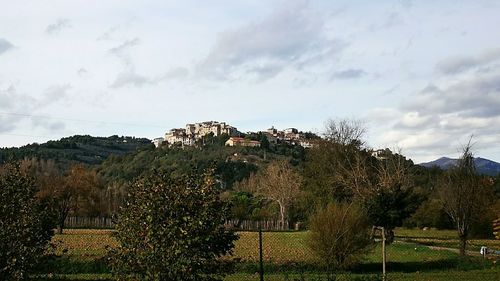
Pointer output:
x,y
193,132
158,142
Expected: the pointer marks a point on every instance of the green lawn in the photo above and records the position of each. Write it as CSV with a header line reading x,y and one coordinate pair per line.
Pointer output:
x,y
442,238
287,257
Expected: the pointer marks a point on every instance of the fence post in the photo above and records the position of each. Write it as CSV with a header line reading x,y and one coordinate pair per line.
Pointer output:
x,y
261,261
383,255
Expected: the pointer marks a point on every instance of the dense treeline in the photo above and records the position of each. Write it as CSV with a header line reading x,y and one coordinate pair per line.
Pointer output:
x,y
76,149
92,175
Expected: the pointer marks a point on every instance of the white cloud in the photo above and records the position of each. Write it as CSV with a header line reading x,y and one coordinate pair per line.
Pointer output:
x,y
122,51
18,106
293,35
352,73
131,78
458,64
449,110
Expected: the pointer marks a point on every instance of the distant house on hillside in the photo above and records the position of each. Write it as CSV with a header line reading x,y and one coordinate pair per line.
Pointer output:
x,y
237,141
157,142
381,154
178,136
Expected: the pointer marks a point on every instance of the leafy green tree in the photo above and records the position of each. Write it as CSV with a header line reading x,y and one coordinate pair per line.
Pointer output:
x,y
172,228
25,224
430,214
242,206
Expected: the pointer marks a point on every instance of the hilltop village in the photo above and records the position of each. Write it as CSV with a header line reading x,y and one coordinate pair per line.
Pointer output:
x,y
196,133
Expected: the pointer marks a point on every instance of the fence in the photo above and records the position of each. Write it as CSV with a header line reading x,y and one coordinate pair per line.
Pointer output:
x,y
415,255
269,225
245,225
86,222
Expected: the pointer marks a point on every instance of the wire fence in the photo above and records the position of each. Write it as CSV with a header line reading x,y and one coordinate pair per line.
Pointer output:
x,y
287,256
89,222
415,254
240,225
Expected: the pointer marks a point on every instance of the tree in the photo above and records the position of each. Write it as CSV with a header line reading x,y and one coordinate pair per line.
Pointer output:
x,y
79,192
341,168
346,132
464,195
280,183
391,195
26,224
72,192
332,163
243,205
339,235
172,228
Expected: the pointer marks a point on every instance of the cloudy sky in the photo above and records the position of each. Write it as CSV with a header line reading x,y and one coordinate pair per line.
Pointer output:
x,y
423,75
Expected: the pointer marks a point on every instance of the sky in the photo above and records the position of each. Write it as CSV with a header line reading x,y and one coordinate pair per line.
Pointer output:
x,y
423,76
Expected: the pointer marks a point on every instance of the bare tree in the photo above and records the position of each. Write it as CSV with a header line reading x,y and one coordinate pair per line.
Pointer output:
x,y
280,183
345,131
463,195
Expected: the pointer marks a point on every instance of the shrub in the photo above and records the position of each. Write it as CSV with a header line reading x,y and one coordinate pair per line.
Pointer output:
x,y
26,225
172,229
340,235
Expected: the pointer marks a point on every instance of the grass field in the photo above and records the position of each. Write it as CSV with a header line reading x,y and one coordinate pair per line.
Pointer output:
x,y
287,257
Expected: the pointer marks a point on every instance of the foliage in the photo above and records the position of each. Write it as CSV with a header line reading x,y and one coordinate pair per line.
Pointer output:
x,y
430,214
342,169
76,149
244,206
171,228
178,161
389,206
76,191
340,235
25,224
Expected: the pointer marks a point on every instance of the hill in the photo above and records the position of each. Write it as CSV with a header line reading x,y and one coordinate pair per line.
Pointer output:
x,y
77,149
121,159
483,166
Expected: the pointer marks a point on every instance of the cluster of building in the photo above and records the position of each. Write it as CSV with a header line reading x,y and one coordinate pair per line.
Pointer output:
x,y
290,135
194,133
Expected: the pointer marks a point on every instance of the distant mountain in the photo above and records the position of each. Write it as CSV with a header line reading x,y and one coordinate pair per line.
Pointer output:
x,y
77,149
483,166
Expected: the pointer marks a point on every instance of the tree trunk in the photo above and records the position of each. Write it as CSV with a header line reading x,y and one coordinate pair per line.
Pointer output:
x,y
282,216
63,214
59,229
463,243
60,226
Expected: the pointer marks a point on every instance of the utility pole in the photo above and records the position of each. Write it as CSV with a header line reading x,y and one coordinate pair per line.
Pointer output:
x,y
384,255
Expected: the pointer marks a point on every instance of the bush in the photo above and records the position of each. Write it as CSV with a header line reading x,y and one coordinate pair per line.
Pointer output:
x,y
430,214
172,229
340,235
26,225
